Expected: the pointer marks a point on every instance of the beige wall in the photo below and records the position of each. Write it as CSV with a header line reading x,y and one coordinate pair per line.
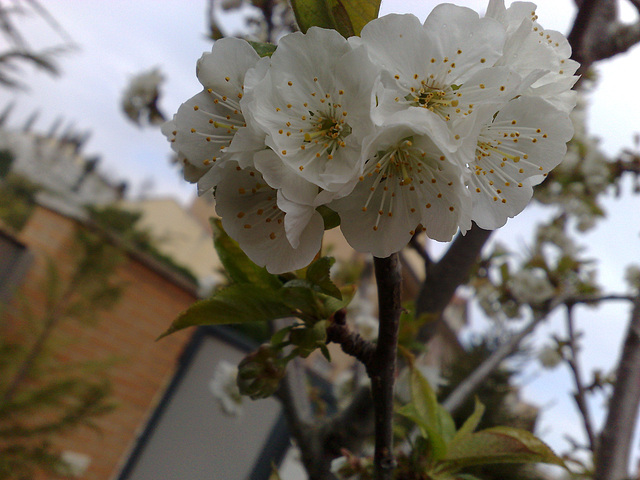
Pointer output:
x,y
179,234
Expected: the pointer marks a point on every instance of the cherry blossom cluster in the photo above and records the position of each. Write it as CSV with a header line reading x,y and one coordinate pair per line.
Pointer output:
x,y
409,127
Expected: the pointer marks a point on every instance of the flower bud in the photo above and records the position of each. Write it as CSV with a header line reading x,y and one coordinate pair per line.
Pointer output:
x,y
260,372
549,357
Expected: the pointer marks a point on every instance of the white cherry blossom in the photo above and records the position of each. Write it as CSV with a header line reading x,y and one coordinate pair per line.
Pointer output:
x,y
139,100
313,105
224,389
632,276
526,139
531,286
254,214
549,357
530,48
408,183
440,68
410,127
205,125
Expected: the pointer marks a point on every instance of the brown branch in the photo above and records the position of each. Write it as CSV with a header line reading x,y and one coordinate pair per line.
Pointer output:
x,y
620,39
570,301
446,275
598,34
579,32
351,342
579,396
612,455
382,368
632,165
465,389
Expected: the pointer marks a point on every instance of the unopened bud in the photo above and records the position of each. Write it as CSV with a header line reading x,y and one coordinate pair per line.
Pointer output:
x,y
260,372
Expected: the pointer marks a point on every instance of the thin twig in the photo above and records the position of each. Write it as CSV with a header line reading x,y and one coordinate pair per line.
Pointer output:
x,y
580,394
382,368
299,413
469,385
597,298
351,342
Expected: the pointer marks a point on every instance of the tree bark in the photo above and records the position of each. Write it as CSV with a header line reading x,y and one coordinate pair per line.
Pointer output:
x,y
612,455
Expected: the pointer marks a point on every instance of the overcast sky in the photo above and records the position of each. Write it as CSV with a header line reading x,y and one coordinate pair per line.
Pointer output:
x,y
119,38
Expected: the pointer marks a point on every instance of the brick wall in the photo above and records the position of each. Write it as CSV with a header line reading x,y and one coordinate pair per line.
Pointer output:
x,y
140,367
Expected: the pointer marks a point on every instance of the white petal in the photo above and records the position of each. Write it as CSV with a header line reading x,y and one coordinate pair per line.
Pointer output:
x,y
497,10
223,69
409,182
488,210
210,178
251,138
250,215
527,138
313,105
245,143
279,176
204,129
297,219
453,28
392,41
529,48
305,56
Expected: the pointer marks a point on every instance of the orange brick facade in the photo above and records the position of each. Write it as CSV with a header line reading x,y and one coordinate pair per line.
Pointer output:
x,y
140,367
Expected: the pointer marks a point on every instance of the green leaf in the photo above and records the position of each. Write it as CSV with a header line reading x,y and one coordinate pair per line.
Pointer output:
x,y
499,445
331,305
470,424
350,16
319,274
239,267
278,337
263,49
237,303
330,217
340,18
307,339
409,411
325,352
504,273
300,294
427,408
346,16
310,13
446,425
